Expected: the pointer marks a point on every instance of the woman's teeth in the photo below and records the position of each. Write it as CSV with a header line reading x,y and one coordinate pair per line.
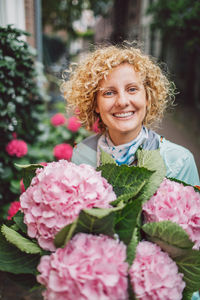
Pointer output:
x,y
123,115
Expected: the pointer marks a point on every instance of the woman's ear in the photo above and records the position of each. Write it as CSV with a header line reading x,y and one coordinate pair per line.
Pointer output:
x,y
97,109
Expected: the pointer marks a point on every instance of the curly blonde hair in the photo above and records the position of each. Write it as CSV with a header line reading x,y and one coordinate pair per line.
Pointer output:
x,y
81,88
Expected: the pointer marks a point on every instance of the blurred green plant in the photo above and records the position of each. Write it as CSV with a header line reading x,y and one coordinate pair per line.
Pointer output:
x,y
21,103
27,133
177,20
61,14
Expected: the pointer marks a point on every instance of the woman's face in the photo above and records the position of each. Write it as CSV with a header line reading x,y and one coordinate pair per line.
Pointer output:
x,y
121,103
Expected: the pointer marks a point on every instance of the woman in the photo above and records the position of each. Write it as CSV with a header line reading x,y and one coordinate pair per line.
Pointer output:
x,y
127,92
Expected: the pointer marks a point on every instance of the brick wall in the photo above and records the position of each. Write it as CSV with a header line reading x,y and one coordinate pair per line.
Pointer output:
x,y
30,21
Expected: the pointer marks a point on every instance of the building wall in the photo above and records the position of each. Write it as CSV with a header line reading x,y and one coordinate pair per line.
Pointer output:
x,y
30,21
12,12
21,14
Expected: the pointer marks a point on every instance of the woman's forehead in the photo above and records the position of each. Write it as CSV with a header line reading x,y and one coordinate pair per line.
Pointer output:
x,y
124,72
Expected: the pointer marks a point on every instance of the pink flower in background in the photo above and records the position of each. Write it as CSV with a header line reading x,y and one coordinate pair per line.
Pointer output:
x,y
95,127
169,196
56,196
154,275
63,151
17,148
58,119
73,124
89,267
14,135
22,187
13,209
43,164
77,111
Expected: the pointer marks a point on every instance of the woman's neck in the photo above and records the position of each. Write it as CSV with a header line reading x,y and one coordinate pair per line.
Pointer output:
x,y
123,138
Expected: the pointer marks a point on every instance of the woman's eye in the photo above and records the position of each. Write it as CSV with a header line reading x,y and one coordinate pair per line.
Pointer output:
x,y
108,93
132,89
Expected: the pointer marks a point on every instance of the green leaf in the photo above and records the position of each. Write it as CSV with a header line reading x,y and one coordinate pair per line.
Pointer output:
x,y
106,158
96,221
93,221
22,243
64,235
28,172
131,248
189,265
152,160
168,232
125,179
14,261
187,295
126,220
185,184
19,220
175,241
122,199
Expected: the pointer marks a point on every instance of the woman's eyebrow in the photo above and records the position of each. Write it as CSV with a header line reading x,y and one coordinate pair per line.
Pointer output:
x,y
134,83
114,87
106,88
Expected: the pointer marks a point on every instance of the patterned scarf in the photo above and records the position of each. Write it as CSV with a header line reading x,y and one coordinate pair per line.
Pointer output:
x,y
122,154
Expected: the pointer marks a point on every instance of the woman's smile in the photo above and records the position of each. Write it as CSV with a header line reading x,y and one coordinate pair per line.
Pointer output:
x,y
124,115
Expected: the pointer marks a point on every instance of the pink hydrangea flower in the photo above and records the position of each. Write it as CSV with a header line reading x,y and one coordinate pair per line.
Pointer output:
x,y
95,127
58,119
178,203
13,209
154,275
22,187
17,148
56,196
73,124
63,151
89,267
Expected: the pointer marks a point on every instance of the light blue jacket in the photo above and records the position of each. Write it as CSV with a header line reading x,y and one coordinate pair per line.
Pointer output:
x,y
179,161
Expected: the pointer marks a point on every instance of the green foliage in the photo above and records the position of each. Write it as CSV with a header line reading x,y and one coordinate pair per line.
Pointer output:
x,y
177,20
61,14
126,220
125,179
106,158
93,221
131,247
24,244
28,172
19,220
15,261
169,233
21,105
153,161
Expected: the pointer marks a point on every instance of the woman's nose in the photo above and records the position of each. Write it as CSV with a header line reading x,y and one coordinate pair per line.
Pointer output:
x,y
122,99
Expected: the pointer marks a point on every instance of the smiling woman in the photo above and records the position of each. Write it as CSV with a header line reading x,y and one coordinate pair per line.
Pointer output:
x,y
127,92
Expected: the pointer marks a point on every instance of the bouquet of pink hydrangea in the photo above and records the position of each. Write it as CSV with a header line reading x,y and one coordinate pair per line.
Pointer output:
x,y
113,233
